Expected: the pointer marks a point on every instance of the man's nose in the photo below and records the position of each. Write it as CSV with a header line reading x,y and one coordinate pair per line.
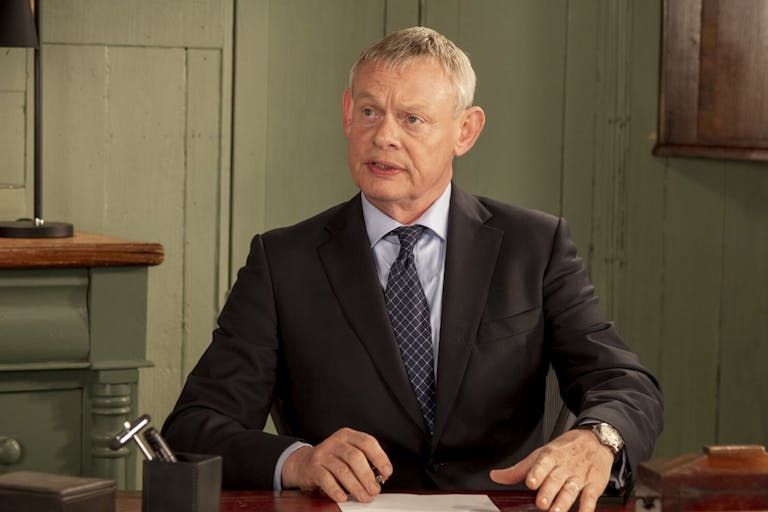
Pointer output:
x,y
387,134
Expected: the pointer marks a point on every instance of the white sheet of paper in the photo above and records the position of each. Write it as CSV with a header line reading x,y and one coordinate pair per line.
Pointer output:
x,y
387,502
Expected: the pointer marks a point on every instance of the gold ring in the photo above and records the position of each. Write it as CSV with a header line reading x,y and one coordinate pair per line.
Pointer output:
x,y
573,484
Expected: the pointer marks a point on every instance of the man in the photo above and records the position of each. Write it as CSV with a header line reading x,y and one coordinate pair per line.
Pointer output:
x,y
421,351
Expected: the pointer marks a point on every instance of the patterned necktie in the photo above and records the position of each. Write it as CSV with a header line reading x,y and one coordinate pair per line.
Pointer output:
x,y
409,314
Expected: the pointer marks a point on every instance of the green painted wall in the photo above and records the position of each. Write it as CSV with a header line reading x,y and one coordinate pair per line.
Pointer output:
x,y
197,124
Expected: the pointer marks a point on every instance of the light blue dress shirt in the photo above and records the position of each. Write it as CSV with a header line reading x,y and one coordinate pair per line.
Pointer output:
x,y
428,254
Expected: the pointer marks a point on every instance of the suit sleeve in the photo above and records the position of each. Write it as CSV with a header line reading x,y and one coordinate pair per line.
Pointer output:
x,y
228,395
600,377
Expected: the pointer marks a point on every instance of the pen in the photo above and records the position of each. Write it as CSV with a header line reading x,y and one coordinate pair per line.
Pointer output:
x,y
131,431
158,445
379,478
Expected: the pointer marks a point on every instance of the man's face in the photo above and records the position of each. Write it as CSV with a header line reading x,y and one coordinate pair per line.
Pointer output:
x,y
403,133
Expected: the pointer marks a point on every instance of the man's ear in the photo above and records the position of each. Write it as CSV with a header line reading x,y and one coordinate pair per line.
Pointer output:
x,y
347,104
471,124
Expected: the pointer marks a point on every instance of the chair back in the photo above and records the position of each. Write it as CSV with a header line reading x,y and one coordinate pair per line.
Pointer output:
x,y
557,417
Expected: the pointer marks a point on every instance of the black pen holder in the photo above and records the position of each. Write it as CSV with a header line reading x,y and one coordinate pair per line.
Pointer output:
x,y
193,484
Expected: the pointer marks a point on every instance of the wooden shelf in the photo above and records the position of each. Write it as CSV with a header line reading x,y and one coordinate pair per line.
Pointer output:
x,y
82,250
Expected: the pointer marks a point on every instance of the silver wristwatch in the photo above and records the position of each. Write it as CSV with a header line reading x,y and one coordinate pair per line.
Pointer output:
x,y
608,436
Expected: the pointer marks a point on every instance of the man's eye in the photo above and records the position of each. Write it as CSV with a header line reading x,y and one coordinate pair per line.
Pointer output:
x,y
367,112
411,119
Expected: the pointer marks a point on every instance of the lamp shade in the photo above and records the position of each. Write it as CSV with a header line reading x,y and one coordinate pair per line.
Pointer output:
x,y
17,24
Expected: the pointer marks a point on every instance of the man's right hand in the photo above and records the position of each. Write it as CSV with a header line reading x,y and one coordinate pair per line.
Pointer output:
x,y
339,465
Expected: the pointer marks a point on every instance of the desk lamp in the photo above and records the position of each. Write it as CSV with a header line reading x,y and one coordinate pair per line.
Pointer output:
x,y
20,28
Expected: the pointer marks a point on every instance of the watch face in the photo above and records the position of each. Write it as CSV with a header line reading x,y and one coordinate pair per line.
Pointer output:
x,y
609,436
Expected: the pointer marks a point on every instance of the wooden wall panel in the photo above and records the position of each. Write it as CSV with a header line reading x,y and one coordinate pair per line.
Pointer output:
x,y
13,203
693,229
13,106
16,104
518,51
14,65
640,305
250,135
612,102
202,204
444,16
401,14
291,158
165,23
579,121
76,134
742,415
12,137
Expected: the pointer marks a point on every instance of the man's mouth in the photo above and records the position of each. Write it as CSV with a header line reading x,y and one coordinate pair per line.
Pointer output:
x,y
382,167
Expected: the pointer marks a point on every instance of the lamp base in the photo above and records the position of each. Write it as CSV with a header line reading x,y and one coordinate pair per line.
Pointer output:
x,y
27,228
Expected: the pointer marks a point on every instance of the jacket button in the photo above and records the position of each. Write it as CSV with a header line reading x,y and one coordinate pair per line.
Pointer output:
x,y
436,466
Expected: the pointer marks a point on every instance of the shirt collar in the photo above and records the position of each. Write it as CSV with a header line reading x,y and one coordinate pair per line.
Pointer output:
x,y
378,223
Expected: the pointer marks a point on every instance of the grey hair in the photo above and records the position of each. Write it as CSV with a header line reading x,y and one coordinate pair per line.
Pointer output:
x,y
399,48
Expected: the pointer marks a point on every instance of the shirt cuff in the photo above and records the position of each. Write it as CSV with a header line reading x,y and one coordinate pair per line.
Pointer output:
x,y
619,472
277,481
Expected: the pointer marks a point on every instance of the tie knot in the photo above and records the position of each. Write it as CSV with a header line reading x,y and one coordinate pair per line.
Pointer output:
x,y
408,236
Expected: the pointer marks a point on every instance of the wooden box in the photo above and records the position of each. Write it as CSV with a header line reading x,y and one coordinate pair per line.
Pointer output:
x,y
30,491
720,478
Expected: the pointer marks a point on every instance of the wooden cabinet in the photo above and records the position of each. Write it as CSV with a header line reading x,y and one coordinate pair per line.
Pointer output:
x,y
41,429
72,338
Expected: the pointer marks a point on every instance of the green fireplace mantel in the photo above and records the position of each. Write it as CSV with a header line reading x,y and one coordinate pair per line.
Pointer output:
x,y
73,317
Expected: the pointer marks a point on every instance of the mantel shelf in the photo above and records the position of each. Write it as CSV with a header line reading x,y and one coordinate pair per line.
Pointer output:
x,y
82,250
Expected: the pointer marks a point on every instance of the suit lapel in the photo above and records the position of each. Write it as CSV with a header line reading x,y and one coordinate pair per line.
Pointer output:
x,y
348,263
471,255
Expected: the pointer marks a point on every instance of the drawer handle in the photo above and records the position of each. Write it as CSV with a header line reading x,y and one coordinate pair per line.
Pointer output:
x,y
10,450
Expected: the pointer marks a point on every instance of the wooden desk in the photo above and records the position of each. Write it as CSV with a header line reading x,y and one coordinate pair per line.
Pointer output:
x,y
295,501
81,250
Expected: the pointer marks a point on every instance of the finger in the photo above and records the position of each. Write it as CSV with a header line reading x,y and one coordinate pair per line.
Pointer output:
x,y
595,485
541,469
341,464
566,496
345,477
363,453
373,452
360,467
588,498
328,484
516,473
549,489
509,476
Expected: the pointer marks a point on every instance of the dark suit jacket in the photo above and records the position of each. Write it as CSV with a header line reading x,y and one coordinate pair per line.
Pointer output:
x,y
305,333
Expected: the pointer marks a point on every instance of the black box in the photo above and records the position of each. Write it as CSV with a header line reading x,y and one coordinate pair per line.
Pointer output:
x,y
44,492
193,484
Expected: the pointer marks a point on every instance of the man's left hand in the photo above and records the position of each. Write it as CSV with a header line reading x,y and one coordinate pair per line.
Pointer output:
x,y
574,465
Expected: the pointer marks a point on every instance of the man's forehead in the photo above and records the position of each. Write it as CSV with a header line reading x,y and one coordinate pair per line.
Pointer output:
x,y
400,66
374,78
